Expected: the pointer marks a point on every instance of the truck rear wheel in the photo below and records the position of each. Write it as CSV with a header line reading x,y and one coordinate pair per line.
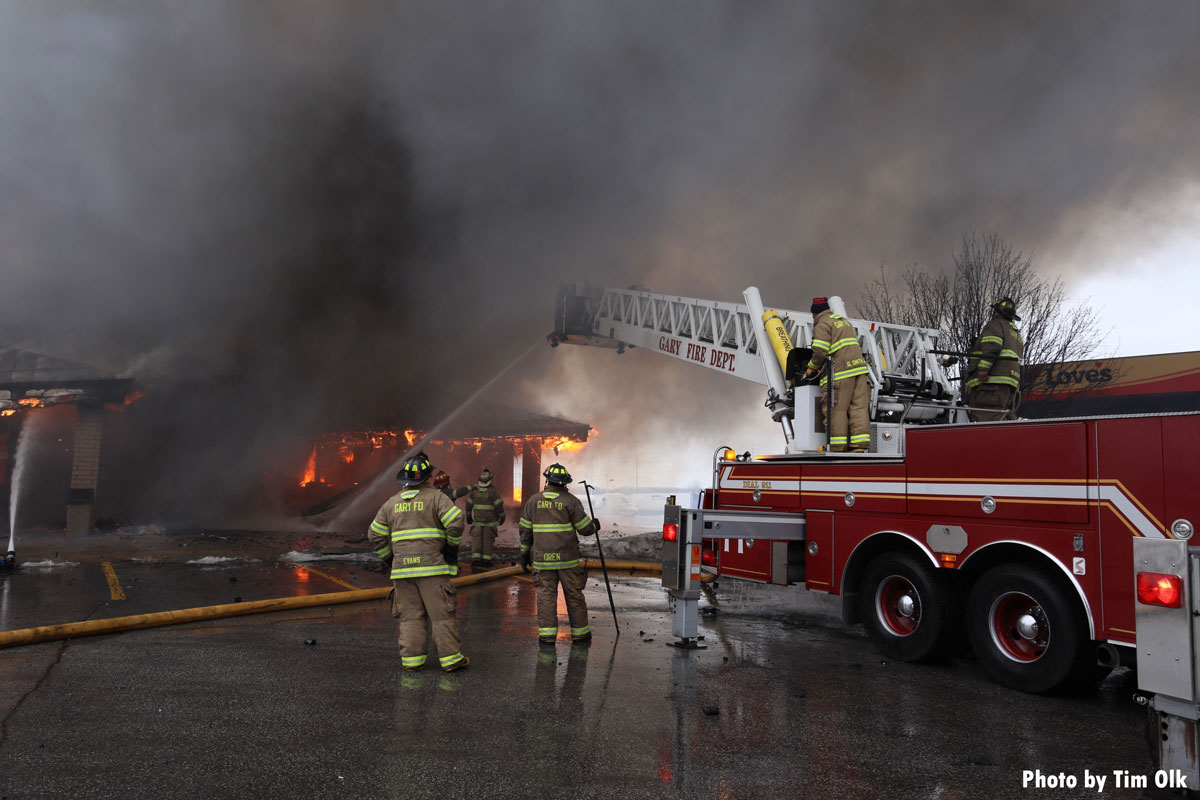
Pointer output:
x,y
908,609
1026,631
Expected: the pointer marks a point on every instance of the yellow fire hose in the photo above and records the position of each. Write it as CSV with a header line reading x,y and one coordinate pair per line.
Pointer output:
x,y
71,630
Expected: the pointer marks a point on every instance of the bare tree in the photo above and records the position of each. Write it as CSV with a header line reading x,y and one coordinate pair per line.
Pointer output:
x,y
959,304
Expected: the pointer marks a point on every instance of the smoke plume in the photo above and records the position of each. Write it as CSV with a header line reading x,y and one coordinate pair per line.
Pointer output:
x,y
286,217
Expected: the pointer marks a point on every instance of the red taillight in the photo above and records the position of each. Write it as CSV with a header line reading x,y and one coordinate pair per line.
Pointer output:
x,y
1159,589
708,558
670,531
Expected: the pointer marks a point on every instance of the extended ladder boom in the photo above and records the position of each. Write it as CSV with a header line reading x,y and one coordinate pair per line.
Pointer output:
x,y
907,381
707,333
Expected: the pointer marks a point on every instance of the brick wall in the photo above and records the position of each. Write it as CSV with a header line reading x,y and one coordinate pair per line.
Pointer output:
x,y
85,469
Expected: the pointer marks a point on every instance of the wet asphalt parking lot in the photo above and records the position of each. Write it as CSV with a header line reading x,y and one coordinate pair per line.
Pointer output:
x,y
784,702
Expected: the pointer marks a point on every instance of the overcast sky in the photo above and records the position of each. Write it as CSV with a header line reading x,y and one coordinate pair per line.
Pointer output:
x,y
332,215
1162,284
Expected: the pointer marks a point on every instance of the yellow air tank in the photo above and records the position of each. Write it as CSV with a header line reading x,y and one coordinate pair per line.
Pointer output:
x,y
778,336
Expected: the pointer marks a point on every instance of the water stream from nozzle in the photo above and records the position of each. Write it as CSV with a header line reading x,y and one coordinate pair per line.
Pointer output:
x,y
24,447
389,474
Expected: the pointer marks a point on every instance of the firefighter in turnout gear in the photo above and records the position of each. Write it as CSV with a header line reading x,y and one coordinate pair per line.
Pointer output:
x,y
485,513
993,377
417,532
441,481
551,524
845,394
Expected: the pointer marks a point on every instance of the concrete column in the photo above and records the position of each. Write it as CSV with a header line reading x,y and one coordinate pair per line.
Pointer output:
x,y
85,469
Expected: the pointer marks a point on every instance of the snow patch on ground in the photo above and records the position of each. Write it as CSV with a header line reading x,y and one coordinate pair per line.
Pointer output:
x,y
353,558
637,547
211,561
47,563
142,530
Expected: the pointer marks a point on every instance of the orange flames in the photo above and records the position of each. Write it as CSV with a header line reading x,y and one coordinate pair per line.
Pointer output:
x,y
130,399
37,402
333,450
561,444
310,470
453,444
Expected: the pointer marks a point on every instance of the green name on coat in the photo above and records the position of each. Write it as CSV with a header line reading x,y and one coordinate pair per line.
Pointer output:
x,y
549,504
403,506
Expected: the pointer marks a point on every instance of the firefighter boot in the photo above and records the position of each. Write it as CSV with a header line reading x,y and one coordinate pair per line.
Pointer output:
x,y
475,564
460,664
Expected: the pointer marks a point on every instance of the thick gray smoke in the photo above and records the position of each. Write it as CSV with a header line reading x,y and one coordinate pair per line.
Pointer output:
x,y
286,217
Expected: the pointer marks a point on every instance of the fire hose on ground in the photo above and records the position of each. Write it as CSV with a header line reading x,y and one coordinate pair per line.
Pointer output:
x,y
72,630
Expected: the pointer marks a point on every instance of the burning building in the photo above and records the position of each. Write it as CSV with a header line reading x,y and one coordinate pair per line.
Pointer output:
x,y
64,408
76,397
511,443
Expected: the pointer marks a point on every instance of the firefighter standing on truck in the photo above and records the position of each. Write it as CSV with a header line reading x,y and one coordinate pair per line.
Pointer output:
x,y
551,524
485,513
844,393
994,368
417,532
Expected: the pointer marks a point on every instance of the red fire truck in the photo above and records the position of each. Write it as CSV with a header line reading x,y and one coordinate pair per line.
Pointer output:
x,y
1014,535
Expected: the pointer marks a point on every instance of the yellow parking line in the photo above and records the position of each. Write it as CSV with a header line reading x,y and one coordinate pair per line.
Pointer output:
x,y
114,586
324,575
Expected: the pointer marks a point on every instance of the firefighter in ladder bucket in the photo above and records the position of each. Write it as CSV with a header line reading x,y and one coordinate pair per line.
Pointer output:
x,y
993,376
417,532
485,514
844,391
551,524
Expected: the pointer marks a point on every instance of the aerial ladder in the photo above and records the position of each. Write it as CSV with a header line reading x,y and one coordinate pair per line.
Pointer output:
x,y
908,378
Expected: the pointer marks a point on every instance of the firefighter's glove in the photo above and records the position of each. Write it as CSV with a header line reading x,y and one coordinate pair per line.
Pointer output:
x,y
526,560
982,377
470,519
595,526
385,565
810,375
450,553
501,522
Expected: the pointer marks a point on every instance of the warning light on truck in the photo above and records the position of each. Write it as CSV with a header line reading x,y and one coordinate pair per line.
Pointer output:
x,y
1159,589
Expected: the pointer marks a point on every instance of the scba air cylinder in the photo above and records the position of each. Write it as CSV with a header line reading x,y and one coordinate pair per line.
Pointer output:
x,y
781,343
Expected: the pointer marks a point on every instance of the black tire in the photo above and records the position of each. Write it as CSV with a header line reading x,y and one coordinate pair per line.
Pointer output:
x,y
909,610
1027,631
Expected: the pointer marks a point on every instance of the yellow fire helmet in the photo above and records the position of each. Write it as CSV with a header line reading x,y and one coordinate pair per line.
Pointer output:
x,y
557,474
416,470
